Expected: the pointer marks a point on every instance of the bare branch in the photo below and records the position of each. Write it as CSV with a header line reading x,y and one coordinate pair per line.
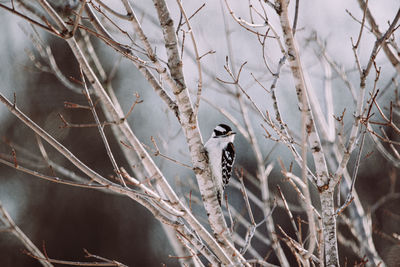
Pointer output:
x,y
200,78
101,131
7,220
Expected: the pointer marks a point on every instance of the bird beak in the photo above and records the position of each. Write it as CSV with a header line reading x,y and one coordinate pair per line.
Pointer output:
x,y
231,133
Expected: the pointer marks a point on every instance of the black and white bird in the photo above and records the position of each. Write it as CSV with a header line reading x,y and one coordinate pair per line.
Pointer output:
x,y
221,155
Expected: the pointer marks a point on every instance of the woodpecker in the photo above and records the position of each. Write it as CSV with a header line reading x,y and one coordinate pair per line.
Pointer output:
x,y
221,155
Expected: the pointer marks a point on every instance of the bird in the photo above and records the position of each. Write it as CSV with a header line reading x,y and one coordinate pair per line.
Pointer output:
x,y
221,156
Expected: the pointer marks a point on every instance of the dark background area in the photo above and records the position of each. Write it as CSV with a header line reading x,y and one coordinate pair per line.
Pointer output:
x,y
67,219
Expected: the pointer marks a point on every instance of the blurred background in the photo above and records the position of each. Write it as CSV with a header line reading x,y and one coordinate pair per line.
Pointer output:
x,y
65,220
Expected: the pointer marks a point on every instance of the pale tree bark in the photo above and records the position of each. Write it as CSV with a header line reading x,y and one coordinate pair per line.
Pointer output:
x,y
325,189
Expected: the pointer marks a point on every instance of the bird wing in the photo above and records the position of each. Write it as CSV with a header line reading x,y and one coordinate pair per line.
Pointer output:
x,y
228,157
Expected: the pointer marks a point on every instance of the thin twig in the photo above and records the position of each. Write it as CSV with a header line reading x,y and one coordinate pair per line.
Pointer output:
x,y
8,221
76,263
157,152
198,62
53,178
101,131
290,215
362,25
44,27
78,17
112,11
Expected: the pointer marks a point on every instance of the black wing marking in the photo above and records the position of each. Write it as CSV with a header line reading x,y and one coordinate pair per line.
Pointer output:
x,y
228,157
